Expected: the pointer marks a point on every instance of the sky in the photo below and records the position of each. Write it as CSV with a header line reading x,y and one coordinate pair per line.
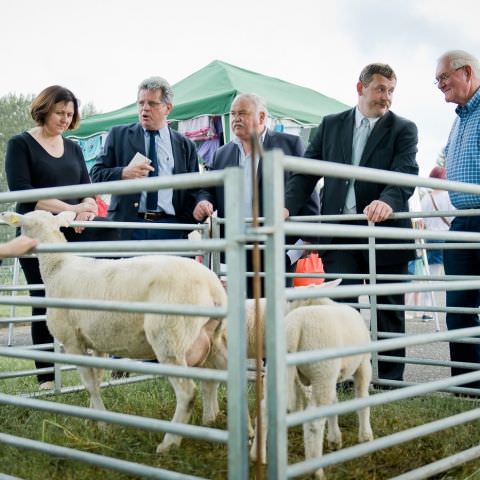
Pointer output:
x,y
102,49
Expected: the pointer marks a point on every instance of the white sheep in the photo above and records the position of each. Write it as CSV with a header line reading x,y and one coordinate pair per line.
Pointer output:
x,y
325,325
173,339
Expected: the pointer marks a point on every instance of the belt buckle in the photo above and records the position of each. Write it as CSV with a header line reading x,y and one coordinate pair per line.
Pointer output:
x,y
152,216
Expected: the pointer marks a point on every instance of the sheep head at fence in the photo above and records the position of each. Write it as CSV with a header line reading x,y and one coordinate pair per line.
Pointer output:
x,y
39,224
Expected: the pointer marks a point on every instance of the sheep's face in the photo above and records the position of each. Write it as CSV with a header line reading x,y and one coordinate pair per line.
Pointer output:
x,y
39,224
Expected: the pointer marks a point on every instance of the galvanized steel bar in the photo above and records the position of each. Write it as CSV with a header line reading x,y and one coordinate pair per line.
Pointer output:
x,y
237,380
116,306
123,466
119,187
273,201
117,364
372,175
356,451
126,420
440,466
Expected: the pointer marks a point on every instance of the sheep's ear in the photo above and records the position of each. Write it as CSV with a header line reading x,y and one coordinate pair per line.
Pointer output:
x,y
64,219
12,218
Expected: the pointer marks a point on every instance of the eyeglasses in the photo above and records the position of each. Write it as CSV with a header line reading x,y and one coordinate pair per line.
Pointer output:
x,y
150,103
445,76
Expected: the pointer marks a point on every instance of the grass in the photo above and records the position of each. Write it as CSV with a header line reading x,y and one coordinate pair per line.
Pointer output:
x,y
154,398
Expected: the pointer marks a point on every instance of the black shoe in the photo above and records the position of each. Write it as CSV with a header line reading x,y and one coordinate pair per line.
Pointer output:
x,y
119,374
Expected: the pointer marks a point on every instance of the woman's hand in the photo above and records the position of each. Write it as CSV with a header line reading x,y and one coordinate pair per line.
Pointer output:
x,y
86,211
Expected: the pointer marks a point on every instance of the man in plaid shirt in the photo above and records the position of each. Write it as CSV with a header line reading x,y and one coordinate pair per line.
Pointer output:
x,y
458,78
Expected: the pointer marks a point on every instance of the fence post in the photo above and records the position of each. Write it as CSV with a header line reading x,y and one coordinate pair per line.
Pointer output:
x,y
273,201
237,363
372,278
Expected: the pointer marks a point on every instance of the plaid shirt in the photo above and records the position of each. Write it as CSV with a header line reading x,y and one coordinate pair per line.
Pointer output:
x,y
463,152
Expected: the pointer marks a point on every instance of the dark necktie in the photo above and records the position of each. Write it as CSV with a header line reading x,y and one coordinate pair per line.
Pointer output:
x,y
152,197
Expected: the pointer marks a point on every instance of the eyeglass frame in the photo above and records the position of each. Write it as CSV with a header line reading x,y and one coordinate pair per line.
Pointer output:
x,y
150,104
446,75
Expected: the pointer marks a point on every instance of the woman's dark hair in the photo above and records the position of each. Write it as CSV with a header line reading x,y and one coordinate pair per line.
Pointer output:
x,y
45,101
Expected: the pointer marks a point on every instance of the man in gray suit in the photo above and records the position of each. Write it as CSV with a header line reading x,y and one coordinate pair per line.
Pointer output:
x,y
369,135
248,114
169,153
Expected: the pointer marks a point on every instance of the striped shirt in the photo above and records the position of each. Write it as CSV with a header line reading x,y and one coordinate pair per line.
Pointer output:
x,y
463,152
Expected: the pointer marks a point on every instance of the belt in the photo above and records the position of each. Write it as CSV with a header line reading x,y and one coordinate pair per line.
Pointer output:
x,y
153,216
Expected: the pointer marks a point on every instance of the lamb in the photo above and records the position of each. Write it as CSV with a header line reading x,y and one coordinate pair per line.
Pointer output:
x,y
325,325
174,339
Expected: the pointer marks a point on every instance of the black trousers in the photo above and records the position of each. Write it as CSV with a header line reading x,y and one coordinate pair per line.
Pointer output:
x,y
387,321
31,270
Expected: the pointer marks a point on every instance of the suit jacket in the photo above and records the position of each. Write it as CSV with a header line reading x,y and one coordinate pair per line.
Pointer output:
x,y
391,146
122,143
229,156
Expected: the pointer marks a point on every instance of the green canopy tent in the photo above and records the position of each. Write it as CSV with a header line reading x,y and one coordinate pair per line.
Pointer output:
x,y
210,91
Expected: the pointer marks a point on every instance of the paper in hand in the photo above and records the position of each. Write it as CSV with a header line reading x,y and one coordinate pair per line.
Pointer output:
x,y
139,159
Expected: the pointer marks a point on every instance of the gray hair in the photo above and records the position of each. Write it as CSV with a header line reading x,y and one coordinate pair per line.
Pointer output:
x,y
460,58
158,83
258,102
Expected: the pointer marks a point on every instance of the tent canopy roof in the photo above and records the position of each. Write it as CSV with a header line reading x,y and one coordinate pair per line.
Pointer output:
x,y
210,91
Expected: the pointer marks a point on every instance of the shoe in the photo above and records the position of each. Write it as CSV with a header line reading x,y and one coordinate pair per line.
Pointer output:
x,y
426,318
118,374
49,385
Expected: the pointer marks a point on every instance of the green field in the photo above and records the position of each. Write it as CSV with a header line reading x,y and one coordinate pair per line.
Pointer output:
x,y
154,398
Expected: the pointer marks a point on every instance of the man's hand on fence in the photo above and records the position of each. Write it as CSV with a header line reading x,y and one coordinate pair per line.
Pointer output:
x,y
378,211
202,210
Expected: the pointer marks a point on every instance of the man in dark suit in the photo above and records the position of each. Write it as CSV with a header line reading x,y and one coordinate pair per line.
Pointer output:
x,y
249,114
369,135
168,152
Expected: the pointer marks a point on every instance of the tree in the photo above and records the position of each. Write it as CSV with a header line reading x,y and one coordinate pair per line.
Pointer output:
x,y
14,118
88,110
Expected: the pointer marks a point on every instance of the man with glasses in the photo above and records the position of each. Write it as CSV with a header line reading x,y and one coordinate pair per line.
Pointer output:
x,y
368,135
164,152
458,78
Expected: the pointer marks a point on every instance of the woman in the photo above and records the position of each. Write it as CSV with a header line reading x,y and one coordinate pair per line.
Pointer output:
x,y
41,158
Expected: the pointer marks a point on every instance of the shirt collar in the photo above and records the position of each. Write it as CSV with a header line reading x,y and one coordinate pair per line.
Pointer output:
x,y
470,106
163,132
359,116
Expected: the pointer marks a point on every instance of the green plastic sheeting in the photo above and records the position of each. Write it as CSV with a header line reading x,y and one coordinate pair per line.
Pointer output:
x,y
210,91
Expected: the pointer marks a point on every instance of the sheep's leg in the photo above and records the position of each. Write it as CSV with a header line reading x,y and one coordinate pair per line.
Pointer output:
x,y
362,378
185,395
313,441
323,393
209,391
98,372
89,377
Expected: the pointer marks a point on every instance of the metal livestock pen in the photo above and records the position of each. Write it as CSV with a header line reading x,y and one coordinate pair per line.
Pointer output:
x,y
271,234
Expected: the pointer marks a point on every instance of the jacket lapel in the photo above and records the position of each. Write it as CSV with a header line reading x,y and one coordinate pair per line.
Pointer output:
x,y
346,136
137,139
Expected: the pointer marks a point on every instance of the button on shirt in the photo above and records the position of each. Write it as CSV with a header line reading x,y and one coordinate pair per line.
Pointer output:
x,y
163,146
463,152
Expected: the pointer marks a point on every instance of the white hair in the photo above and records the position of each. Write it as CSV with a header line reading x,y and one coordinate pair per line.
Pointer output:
x,y
460,58
259,103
